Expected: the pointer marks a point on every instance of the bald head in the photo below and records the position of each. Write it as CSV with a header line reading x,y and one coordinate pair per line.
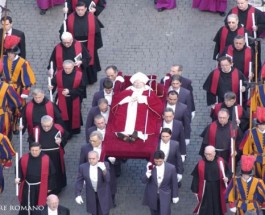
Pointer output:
x,y
209,153
53,202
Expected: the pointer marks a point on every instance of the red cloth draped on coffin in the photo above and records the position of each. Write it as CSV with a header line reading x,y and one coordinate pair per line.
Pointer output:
x,y
114,147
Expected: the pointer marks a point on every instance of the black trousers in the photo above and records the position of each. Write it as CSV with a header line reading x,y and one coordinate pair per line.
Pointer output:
x,y
157,211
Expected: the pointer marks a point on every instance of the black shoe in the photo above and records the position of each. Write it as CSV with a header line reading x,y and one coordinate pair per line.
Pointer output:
x,y
179,184
134,136
222,14
43,12
160,9
124,137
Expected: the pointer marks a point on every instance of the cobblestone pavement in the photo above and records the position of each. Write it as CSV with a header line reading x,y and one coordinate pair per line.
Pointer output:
x,y
136,38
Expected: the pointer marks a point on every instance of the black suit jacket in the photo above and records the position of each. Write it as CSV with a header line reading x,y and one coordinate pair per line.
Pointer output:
x,y
61,210
22,43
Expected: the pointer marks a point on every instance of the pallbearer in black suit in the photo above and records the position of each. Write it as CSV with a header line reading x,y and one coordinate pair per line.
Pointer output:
x,y
116,76
161,185
171,151
95,144
97,177
177,69
177,130
102,108
181,113
53,207
9,30
100,125
107,92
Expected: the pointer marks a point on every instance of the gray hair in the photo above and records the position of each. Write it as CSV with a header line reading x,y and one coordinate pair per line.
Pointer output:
x,y
46,118
234,16
96,133
37,91
103,100
66,35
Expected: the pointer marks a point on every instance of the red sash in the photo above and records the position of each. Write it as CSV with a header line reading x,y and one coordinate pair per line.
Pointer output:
x,y
62,101
215,80
212,133
249,23
74,2
91,32
224,33
218,107
201,171
61,150
29,114
247,58
44,178
59,53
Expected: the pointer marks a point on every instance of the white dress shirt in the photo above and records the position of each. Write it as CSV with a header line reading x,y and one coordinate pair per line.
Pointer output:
x,y
160,170
98,150
93,174
102,131
108,96
171,88
50,212
168,125
165,148
173,107
105,115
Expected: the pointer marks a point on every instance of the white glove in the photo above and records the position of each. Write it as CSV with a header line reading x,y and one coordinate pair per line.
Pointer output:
x,y
148,171
24,96
179,176
166,78
119,78
148,165
102,166
183,157
192,115
79,200
187,141
233,210
175,200
112,159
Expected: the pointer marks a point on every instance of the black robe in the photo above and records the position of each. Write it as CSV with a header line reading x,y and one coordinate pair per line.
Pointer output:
x,y
211,199
259,21
68,80
229,40
224,85
39,110
47,141
69,54
222,140
239,58
100,6
244,120
33,175
81,34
